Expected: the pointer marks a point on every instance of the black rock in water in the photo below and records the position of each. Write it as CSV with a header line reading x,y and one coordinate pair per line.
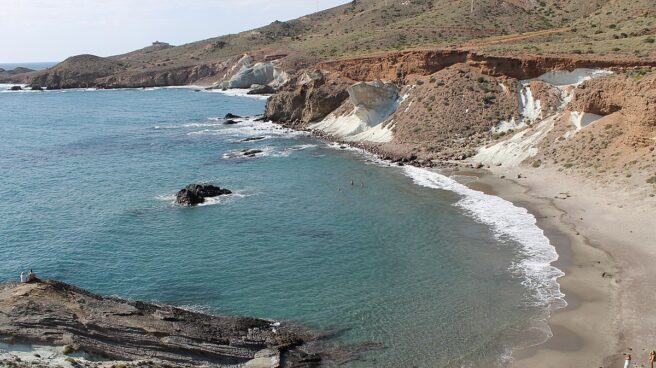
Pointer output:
x,y
251,152
15,88
37,88
232,116
194,194
230,122
252,139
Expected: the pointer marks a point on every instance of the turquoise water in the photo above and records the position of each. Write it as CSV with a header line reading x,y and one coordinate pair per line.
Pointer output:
x,y
87,187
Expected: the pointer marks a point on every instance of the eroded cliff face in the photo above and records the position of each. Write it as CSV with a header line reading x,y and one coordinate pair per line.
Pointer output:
x,y
463,107
605,124
308,97
365,116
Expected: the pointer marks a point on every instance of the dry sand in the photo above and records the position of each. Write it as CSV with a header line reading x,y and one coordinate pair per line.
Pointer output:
x,y
606,239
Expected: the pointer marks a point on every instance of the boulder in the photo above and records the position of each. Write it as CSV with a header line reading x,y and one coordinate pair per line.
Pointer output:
x,y
15,88
258,89
232,116
194,194
37,88
230,122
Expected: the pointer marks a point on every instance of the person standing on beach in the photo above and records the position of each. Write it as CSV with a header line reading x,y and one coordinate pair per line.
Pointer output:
x,y
23,278
627,361
652,357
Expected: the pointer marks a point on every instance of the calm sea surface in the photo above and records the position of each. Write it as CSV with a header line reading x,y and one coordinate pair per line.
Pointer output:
x,y
431,276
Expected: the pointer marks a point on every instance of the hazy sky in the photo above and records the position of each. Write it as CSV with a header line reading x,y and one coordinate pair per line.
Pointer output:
x,y
51,30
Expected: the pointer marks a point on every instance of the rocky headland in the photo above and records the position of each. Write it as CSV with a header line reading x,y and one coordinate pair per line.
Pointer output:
x,y
132,333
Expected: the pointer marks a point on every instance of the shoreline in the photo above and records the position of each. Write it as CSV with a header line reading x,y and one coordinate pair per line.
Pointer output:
x,y
579,339
592,329
601,234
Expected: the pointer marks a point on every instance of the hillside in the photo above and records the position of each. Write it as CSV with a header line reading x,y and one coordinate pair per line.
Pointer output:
x,y
458,68
601,27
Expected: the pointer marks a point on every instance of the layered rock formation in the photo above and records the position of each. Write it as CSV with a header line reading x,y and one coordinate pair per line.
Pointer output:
x,y
55,313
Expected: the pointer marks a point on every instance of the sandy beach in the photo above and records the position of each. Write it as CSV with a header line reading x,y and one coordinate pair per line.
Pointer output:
x,y
604,235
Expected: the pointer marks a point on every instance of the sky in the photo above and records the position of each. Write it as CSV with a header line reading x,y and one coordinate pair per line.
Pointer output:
x,y
51,30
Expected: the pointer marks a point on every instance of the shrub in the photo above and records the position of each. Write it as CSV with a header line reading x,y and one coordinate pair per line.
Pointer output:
x,y
68,349
568,165
536,163
652,180
649,40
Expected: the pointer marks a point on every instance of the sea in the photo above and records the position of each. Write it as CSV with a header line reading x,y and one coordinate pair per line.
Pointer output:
x,y
33,66
402,266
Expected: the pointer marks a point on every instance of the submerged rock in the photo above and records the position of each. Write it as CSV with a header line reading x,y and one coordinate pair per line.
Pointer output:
x,y
231,122
194,194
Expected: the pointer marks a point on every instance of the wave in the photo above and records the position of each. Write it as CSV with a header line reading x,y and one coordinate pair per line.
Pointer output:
x,y
266,151
209,201
237,92
507,221
246,127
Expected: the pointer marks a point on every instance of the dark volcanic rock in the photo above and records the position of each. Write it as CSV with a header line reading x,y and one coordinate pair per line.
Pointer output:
x,y
230,122
37,88
232,116
194,194
55,313
15,88
252,139
251,152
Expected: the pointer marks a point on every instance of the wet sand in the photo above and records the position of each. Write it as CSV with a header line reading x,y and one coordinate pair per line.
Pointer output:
x,y
597,232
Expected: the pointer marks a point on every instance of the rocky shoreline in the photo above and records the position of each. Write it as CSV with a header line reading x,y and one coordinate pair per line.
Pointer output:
x,y
54,313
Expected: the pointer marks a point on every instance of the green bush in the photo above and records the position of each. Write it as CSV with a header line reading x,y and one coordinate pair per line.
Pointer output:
x,y
68,349
537,163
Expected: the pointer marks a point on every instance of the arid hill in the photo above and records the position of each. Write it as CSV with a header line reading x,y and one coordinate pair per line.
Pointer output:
x,y
364,27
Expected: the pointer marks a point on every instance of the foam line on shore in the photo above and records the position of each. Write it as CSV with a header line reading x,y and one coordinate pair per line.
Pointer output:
x,y
508,222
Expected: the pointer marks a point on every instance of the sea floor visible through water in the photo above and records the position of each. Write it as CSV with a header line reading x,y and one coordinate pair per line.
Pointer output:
x,y
406,260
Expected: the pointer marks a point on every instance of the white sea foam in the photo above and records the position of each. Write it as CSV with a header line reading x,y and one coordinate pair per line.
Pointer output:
x,y
266,151
508,222
248,127
209,201
238,92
